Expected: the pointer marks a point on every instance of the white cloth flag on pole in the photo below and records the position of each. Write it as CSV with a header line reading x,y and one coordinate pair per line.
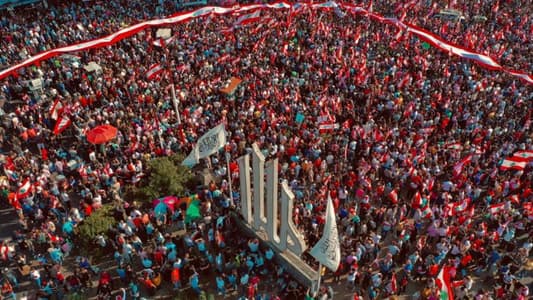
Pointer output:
x,y
328,251
208,144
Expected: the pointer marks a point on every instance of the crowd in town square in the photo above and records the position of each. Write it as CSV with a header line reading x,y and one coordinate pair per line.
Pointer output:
x,y
427,156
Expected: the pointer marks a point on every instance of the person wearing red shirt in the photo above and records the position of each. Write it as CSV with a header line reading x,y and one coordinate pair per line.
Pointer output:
x,y
175,277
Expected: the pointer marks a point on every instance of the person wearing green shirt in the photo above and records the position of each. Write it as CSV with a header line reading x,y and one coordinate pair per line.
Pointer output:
x,y
309,295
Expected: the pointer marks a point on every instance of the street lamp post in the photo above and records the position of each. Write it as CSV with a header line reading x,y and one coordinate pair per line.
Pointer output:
x,y
228,157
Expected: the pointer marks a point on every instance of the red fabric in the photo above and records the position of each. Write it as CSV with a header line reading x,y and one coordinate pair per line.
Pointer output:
x,y
251,291
44,154
433,270
88,210
137,222
466,260
175,275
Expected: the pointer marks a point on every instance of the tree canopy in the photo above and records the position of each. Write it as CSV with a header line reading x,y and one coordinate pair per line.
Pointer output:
x,y
165,176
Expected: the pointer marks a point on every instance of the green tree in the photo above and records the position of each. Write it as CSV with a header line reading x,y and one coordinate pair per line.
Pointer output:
x,y
165,176
99,222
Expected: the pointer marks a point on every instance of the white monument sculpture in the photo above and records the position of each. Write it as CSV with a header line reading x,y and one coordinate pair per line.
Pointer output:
x,y
288,238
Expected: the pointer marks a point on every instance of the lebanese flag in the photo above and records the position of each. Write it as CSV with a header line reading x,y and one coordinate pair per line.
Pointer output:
x,y
153,71
226,31
326,123
426,212
61,125
11,175
248,18
223,58
528,154
163,42
444,284
431,183
418,201
108,170
454,146
24,190
404,81
327,127
56,109
459,207
496,208
514,162
458,168
82,170
514,199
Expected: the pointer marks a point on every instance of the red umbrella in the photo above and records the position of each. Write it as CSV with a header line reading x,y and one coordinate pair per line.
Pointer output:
x,y
101,134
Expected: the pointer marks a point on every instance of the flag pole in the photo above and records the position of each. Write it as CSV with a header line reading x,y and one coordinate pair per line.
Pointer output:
x,y
319,278
175,101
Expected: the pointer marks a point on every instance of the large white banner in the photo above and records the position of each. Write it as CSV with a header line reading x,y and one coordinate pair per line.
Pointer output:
x,y
328,250
207,145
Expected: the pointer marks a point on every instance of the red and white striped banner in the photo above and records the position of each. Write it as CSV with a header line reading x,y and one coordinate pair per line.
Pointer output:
x,y
62,124
527,154
483,60
56,109
458,168
496,208
154,70
248,18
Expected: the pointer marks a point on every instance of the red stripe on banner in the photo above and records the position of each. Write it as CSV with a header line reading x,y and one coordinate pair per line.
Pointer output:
x,y
481,59
424,34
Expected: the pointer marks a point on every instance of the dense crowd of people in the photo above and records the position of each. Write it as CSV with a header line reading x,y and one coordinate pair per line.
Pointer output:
x,y
408,142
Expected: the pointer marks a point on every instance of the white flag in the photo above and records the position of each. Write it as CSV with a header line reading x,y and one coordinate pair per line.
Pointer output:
x,y
208,144
328,251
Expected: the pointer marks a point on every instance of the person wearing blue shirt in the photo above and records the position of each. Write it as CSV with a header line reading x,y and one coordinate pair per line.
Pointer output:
x,y
56,255
194,280
250,263
149,229
201,245
210,257
253,245
232,279
408,268
172,255
259,261
269,254
221,285
170,246
394,249
493,258
244,282
68,227
134,290
219,262
211,235
188,241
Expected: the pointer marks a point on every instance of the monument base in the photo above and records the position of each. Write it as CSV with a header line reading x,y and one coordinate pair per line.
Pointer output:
x,y
298,269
